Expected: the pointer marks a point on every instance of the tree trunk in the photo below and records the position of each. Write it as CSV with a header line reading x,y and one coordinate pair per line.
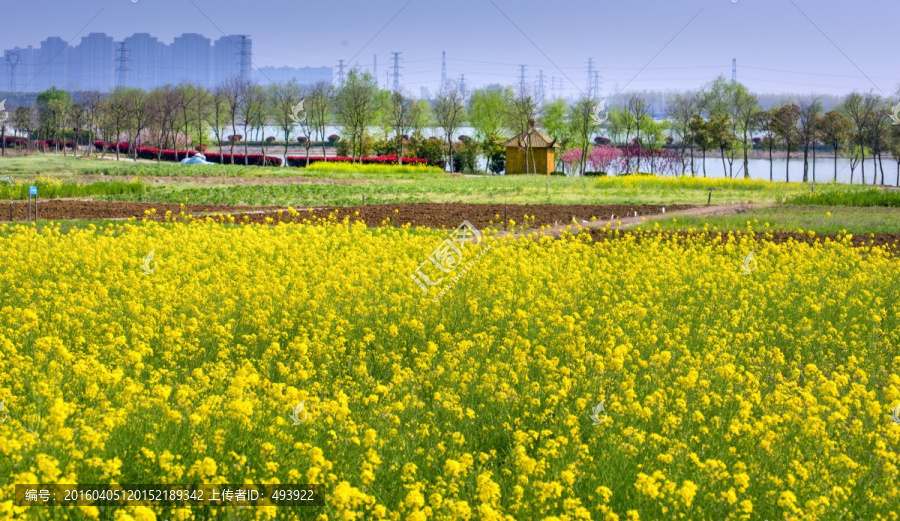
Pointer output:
x,y
863,164
724,168
814,162
806,162
771,166
704,161
881,167
746,159
835,161
787,164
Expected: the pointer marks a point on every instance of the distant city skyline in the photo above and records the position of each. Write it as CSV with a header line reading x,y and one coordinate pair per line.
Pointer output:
x,y
98,62
781,46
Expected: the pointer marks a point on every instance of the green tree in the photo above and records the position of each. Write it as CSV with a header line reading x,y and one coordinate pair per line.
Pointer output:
x,y
356,107
53,106
449,112
834,129
810,118
785,124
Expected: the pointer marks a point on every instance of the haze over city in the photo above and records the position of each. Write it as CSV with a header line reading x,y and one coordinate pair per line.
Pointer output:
x,y
780,45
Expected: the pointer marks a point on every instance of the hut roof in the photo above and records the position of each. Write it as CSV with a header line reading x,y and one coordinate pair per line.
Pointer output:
x,y
532,138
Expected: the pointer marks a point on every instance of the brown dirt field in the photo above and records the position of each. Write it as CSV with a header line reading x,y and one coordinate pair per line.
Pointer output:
x,y
451,215
65,209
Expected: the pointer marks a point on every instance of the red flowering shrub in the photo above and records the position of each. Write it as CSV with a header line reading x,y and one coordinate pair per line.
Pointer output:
x,y
378,160
302,139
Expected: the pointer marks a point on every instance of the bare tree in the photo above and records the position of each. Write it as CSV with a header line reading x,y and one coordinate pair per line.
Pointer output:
x,y
398,113
232,91
285,99
810,108
744,108
255,114
220,110
522,111
583,126
90,100
449,113
186,95
683,108
859,110
138,112
319,100
163,106
115,113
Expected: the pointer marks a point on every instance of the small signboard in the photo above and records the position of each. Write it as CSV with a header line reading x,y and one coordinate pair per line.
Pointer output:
x,y
32,190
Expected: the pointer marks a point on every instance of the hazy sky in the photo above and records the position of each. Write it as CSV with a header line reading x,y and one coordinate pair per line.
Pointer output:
x,y
776,42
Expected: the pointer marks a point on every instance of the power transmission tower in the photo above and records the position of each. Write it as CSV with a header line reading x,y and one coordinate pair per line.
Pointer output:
x,y
443,68
122,65
590,77
522,79
396,71
245,58
597,83
540,95
340,73
462,85
12,58
733,70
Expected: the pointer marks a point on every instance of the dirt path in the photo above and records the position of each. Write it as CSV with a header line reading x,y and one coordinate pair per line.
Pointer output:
x,y
622,222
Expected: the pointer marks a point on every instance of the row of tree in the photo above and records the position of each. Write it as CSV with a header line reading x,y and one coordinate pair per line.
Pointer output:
x,y
723,116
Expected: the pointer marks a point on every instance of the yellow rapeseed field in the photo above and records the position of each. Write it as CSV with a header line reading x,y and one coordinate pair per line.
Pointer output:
x,y
724,395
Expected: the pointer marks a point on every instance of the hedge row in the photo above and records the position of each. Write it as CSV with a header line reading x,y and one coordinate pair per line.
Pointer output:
x,y
377,160
172,155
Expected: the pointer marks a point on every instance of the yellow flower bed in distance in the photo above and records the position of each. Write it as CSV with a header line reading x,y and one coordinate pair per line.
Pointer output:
x,y
725,396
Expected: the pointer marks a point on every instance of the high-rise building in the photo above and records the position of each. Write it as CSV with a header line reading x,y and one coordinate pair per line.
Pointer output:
x,y
93,64
226,58
190,60
144,54
141,60
53,64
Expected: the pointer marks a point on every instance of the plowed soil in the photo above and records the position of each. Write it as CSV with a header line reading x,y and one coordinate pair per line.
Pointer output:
x,y
69,209
451,215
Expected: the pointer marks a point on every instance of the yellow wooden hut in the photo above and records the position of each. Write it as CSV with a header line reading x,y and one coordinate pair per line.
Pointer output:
x,y
535,147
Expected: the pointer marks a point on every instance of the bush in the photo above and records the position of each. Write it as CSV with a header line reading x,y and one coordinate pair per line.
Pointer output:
x,y
595,174
302,140
431,149
334,137
557,172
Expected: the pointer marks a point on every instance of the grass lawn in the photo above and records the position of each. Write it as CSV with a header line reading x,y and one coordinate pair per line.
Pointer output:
x,y
793,218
